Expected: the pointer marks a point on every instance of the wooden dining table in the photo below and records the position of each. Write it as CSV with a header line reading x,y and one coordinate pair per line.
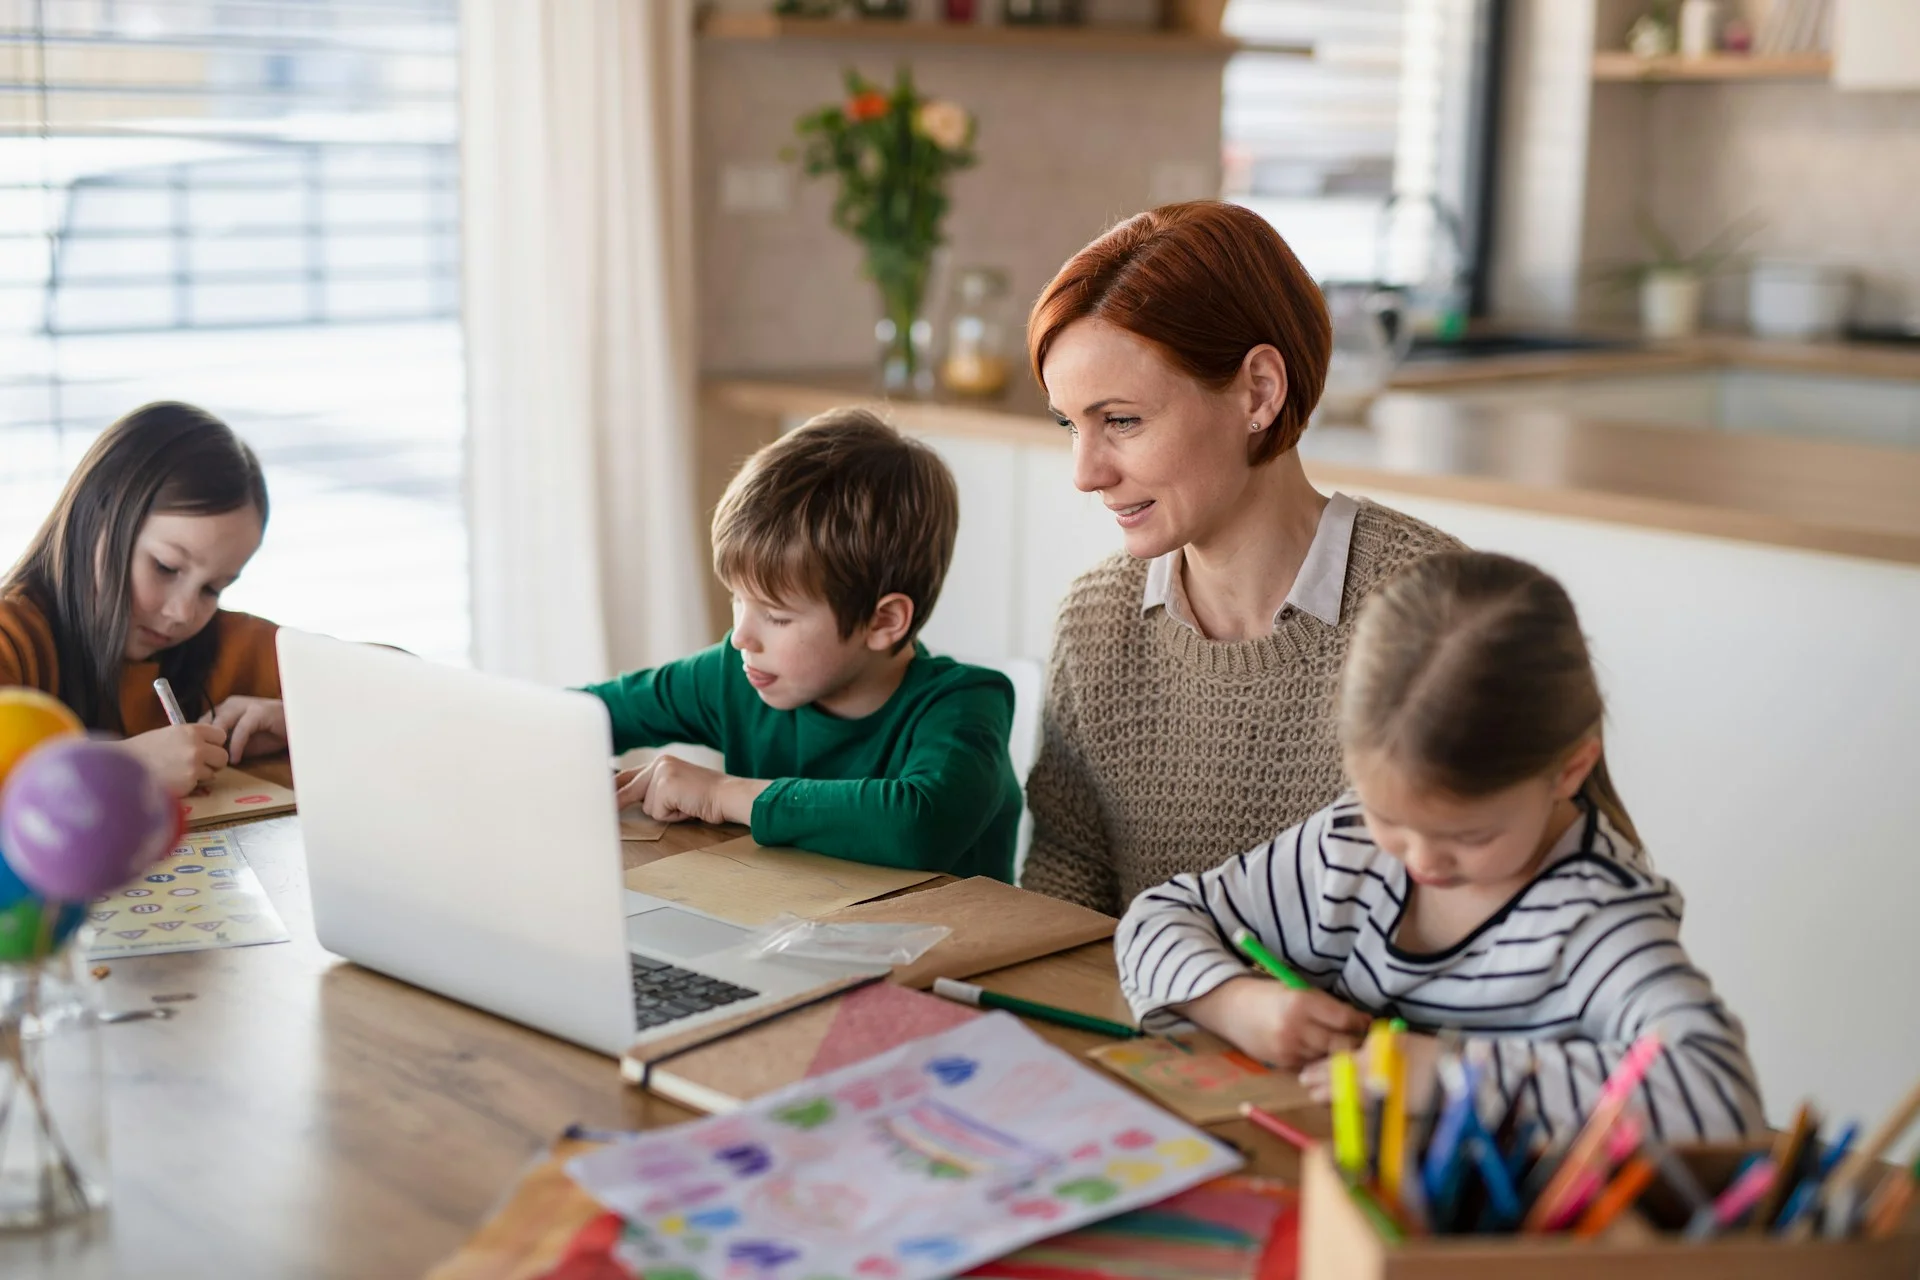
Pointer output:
x,y
300,1116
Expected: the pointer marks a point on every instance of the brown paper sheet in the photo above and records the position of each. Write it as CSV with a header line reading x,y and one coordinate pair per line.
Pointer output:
x,y
748,884
1203,1083
993,925
232,794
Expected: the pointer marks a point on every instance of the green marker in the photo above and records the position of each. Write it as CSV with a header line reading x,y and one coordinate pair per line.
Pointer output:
x,y
967,993
1258,953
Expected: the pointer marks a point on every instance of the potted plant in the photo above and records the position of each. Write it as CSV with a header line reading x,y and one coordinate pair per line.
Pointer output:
x,y
1670,280
892,152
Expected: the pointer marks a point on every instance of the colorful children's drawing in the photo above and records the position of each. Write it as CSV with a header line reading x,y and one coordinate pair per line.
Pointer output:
x,y
200,896
918,1163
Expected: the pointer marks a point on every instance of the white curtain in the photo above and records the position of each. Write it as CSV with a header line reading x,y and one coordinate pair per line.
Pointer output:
x,y
579,323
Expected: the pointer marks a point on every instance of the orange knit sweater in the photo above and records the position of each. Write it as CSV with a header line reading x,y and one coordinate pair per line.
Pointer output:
x,y
244,663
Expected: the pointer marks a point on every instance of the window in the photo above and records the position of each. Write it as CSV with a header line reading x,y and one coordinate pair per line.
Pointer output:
x,y
1371,156
251,205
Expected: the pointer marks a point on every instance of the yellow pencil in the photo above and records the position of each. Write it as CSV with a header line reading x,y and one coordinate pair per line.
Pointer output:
x,y
1349,1129
1374,1096
1393,1122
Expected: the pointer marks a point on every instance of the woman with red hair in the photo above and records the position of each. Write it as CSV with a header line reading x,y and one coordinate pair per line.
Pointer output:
x,y
1190,696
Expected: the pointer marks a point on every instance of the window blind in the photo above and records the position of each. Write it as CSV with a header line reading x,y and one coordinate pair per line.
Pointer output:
x,y
252,205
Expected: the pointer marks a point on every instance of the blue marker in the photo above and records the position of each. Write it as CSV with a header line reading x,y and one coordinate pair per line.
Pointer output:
x,y
1440,1171
1801,1202
1502,1199
1521,1155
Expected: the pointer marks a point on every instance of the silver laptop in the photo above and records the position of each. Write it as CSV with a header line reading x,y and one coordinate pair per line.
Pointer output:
x,y
461,836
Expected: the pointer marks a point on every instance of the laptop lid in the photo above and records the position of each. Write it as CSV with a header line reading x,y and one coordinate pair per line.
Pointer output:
x,y
461,835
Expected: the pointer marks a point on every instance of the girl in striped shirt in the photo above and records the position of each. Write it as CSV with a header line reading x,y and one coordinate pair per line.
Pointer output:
x,y
1481,876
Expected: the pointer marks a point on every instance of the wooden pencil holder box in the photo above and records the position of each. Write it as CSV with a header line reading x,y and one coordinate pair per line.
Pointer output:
x,y
1338,1243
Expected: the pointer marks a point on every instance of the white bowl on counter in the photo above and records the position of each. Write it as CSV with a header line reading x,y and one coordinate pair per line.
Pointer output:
x,y
1788,299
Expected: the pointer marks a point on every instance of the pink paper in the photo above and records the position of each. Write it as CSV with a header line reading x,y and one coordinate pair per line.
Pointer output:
x,y
880,1017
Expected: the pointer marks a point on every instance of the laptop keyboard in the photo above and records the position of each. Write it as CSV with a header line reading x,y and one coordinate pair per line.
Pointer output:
x,y
665,993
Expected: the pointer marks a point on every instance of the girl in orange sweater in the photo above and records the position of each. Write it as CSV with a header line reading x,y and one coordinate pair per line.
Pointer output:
x,y
122,585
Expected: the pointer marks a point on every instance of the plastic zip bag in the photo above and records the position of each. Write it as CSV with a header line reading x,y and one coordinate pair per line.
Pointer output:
x,y
892,944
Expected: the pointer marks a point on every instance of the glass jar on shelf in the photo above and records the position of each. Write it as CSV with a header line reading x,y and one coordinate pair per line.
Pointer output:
x,y
977,359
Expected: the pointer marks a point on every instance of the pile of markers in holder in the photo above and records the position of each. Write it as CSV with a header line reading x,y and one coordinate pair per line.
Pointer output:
x,y
1456,1170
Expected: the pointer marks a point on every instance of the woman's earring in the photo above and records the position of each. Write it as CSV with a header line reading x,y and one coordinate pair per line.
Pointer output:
x,y
1254,426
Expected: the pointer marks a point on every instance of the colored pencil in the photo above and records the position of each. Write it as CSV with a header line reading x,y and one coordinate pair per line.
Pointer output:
x,y
1257,952
1245,1063
1592,1142
1502,1197
1370,1208
1797,1219
1393,1122
1788,1150
1624,1140
1379,1054
1263,1119
1746,1191
1440,1172
1888,1208
1620,1193
1867,1154
967,993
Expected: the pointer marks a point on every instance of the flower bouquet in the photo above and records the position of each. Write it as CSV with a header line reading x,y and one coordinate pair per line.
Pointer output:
x,y
892,151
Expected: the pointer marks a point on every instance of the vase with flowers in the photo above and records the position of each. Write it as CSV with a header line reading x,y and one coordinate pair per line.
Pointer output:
x,y
892,151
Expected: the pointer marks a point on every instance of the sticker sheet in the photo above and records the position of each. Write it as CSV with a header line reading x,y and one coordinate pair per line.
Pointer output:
x,y
200,896
921,1162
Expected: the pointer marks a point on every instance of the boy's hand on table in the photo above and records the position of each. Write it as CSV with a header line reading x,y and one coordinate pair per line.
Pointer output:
x,y
670,789
1275,1024
1421,1054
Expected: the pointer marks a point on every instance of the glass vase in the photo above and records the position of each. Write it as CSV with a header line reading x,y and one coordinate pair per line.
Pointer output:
x,y
53,1117
904,333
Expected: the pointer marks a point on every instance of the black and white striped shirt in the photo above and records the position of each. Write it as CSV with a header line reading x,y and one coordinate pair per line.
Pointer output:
x,y
1549,992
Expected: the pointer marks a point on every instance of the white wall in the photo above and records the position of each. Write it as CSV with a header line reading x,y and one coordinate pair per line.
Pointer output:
x,y
1763,707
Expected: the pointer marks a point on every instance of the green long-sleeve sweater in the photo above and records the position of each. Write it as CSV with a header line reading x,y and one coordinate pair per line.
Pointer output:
x,y
923,782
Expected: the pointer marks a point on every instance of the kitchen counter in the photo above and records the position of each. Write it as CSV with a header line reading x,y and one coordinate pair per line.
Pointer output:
x,y
1705,351
1817,495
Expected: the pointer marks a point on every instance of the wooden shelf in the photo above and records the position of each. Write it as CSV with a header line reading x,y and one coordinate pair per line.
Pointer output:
x,y
1616,66
767,26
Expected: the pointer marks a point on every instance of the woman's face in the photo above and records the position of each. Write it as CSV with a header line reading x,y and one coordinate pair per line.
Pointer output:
x,y
1167,455
181,564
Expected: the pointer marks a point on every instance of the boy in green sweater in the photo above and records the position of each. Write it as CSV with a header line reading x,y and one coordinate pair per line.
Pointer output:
x,y
841,734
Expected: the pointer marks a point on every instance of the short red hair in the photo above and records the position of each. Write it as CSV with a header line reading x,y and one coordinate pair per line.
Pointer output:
x,y
1206,282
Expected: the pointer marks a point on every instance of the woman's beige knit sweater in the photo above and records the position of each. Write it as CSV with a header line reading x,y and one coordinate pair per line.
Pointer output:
x,y
1165,752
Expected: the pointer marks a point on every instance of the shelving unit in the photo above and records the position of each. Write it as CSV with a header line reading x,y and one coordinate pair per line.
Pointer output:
x,y
1617,67
767,26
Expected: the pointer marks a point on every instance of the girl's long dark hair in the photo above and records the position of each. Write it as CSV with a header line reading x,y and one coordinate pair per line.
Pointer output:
x,y
1470,670
164,457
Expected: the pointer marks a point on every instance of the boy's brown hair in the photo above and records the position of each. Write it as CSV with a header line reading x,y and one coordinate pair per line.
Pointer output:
x,y
1469,670
844,509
